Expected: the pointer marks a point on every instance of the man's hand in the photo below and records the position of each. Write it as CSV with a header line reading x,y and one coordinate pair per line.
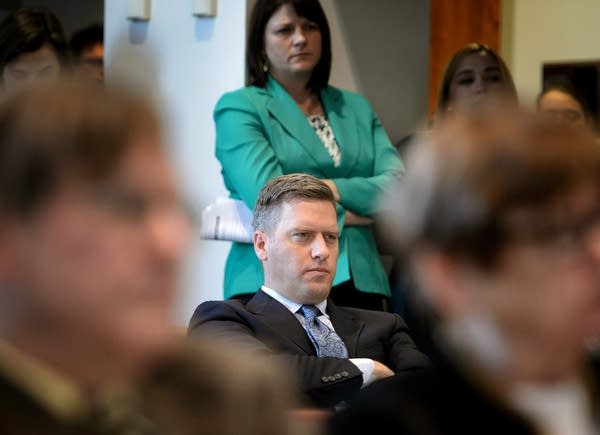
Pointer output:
x,y
381,371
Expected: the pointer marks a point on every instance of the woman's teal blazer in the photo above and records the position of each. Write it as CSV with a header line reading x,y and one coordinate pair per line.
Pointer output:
x,y
262,133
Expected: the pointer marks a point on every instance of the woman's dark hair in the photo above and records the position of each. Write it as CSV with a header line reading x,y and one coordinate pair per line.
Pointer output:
x,y
26,30
453,65
568,89
255,50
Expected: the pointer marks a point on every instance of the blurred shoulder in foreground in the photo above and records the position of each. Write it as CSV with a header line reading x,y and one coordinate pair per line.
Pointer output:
x,y
503,236
92,235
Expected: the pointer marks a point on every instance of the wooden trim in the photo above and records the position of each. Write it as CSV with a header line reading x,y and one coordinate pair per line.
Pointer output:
x,y
455,23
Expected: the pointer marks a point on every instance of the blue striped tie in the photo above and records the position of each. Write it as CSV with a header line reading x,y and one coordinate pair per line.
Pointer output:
x,y
325,341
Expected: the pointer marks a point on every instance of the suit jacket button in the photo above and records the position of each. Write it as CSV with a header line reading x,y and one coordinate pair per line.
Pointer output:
x,y
338,376
325,379
345,374
332,378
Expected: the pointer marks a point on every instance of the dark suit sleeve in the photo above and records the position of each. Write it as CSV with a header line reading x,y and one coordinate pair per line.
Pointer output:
x,y
382,337
403,353
324,381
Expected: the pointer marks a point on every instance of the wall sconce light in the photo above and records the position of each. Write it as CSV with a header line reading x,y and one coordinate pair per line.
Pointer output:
x,y
139,10
204,8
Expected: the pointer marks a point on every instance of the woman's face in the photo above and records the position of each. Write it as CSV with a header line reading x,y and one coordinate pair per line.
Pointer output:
x,y
477,77
292,45
42,64
561,107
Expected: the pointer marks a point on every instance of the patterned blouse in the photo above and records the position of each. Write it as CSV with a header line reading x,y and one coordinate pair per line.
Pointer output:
x,y
325,133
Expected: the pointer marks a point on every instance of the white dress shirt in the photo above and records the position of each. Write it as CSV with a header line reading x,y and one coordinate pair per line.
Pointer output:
x,y
365,365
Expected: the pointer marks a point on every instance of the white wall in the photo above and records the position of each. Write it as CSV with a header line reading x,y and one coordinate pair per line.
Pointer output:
x,y
343,72
381,50
197,60
538,31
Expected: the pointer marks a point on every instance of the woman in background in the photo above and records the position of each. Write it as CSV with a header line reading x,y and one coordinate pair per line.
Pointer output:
x,y
290,120
33,47
475,75
560,102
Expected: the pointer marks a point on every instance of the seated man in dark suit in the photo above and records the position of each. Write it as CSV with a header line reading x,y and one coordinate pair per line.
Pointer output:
x,y
330,351
500,213
91,237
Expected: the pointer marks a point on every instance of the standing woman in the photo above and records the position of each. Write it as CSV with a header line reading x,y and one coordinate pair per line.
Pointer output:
x,y
290,120
33,47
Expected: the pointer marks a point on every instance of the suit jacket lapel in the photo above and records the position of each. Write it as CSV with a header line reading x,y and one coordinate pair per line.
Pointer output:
x,y
346,326
281,320
283,108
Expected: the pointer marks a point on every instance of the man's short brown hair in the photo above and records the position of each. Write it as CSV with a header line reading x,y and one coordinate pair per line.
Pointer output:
x,y
287,189
49,134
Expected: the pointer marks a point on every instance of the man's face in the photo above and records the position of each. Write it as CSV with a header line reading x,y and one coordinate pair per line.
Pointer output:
x,y
546,293
299,255
99,261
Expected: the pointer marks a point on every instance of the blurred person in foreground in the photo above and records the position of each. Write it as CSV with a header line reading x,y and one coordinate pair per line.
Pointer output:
x,y
330,351
503,236
33,48
87,48
474,78
91,236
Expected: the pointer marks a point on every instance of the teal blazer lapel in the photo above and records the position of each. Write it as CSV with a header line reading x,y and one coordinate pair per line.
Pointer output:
x,y
285,110
344,124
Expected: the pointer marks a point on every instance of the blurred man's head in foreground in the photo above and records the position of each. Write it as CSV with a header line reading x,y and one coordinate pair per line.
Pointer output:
x,y
500,213
91,230
33,48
